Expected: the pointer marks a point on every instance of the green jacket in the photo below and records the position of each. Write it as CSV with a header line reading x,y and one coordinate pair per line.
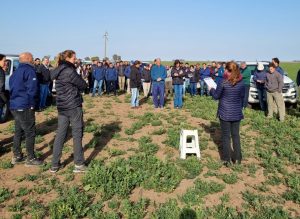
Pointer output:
x,y
246,75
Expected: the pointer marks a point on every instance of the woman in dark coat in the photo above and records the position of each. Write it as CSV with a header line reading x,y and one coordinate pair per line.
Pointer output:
x,y
3,99
230,93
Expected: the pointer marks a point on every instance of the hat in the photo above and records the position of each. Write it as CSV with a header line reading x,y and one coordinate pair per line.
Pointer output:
x,y
260,66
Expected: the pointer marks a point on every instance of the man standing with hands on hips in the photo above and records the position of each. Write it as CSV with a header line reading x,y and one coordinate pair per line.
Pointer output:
x,y
158,76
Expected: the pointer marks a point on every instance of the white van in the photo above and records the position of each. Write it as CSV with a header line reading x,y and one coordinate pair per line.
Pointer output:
x,y
13,63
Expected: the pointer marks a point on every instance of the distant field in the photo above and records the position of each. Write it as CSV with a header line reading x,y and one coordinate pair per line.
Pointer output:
x,y
291,68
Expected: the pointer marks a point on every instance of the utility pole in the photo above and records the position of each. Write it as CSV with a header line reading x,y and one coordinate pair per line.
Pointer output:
x,y
105,44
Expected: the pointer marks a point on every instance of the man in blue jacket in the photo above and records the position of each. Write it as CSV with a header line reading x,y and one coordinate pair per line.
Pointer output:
x,y
158,76
98,75
276,62
23,92
204,73
111,77
219,73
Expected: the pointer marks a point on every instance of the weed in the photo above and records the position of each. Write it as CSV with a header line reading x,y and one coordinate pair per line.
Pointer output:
x,y
116,152
194,195
192,166
39,139
229,178
6,164
169,209
5,194
159,131
71,203
17,206
23,191
134,210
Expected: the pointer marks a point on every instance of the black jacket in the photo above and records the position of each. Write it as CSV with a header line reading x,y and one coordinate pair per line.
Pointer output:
x,y
193,76
69,86
3,99
178,79
43,74
135,77
146,75
298,78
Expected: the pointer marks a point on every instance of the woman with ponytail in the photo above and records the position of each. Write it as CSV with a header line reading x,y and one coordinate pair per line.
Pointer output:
x,y
69,86
230,93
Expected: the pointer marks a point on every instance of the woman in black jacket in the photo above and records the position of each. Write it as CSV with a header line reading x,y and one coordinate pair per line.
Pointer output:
x,y
177,79
3,99
69,86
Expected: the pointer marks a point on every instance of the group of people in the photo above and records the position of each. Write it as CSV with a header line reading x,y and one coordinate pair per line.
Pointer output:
x,y
71,81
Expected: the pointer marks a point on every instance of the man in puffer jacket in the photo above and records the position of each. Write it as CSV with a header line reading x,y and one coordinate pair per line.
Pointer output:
x,y
111,77
69,86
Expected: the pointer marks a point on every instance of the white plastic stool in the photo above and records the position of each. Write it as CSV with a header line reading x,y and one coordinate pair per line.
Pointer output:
x,y
191,147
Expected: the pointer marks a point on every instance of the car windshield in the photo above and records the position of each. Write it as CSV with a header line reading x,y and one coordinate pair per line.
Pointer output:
x,y
15,65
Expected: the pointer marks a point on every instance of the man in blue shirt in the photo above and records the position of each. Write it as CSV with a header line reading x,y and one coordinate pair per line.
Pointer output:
x,y
276,62
158,76
23,92
204,73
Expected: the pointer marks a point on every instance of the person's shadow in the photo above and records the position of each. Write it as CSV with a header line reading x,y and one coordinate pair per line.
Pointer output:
x,y
214,132
187,213
42,129
100,140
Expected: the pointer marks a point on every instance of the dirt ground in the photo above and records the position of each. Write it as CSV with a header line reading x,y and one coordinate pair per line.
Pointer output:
x,y
116,113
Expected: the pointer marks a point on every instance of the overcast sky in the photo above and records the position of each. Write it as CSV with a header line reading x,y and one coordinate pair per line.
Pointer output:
x,y
170,29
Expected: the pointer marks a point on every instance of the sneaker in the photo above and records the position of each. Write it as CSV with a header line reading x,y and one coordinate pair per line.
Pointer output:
x,y
55,169
17,160
33,162
80,168
227,163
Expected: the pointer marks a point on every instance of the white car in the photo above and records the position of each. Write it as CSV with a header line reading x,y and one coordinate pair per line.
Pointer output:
x,y
289,90
12,65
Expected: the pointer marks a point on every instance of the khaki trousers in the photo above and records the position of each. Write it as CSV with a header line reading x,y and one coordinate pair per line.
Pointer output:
x,y
275,104
146,88
128,85
122,82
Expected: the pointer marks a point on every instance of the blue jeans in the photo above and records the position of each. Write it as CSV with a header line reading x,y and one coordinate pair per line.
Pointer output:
x,y
134,97
178,95
186,85
261,91
193,87
44,91
99,85
158,91
203,87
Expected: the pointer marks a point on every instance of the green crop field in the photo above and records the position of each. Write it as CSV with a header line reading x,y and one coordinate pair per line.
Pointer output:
x,y
134,169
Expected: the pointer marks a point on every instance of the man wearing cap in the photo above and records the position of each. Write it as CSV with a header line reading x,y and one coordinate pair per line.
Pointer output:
x,y
274,84
259,77
246,73
158,76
